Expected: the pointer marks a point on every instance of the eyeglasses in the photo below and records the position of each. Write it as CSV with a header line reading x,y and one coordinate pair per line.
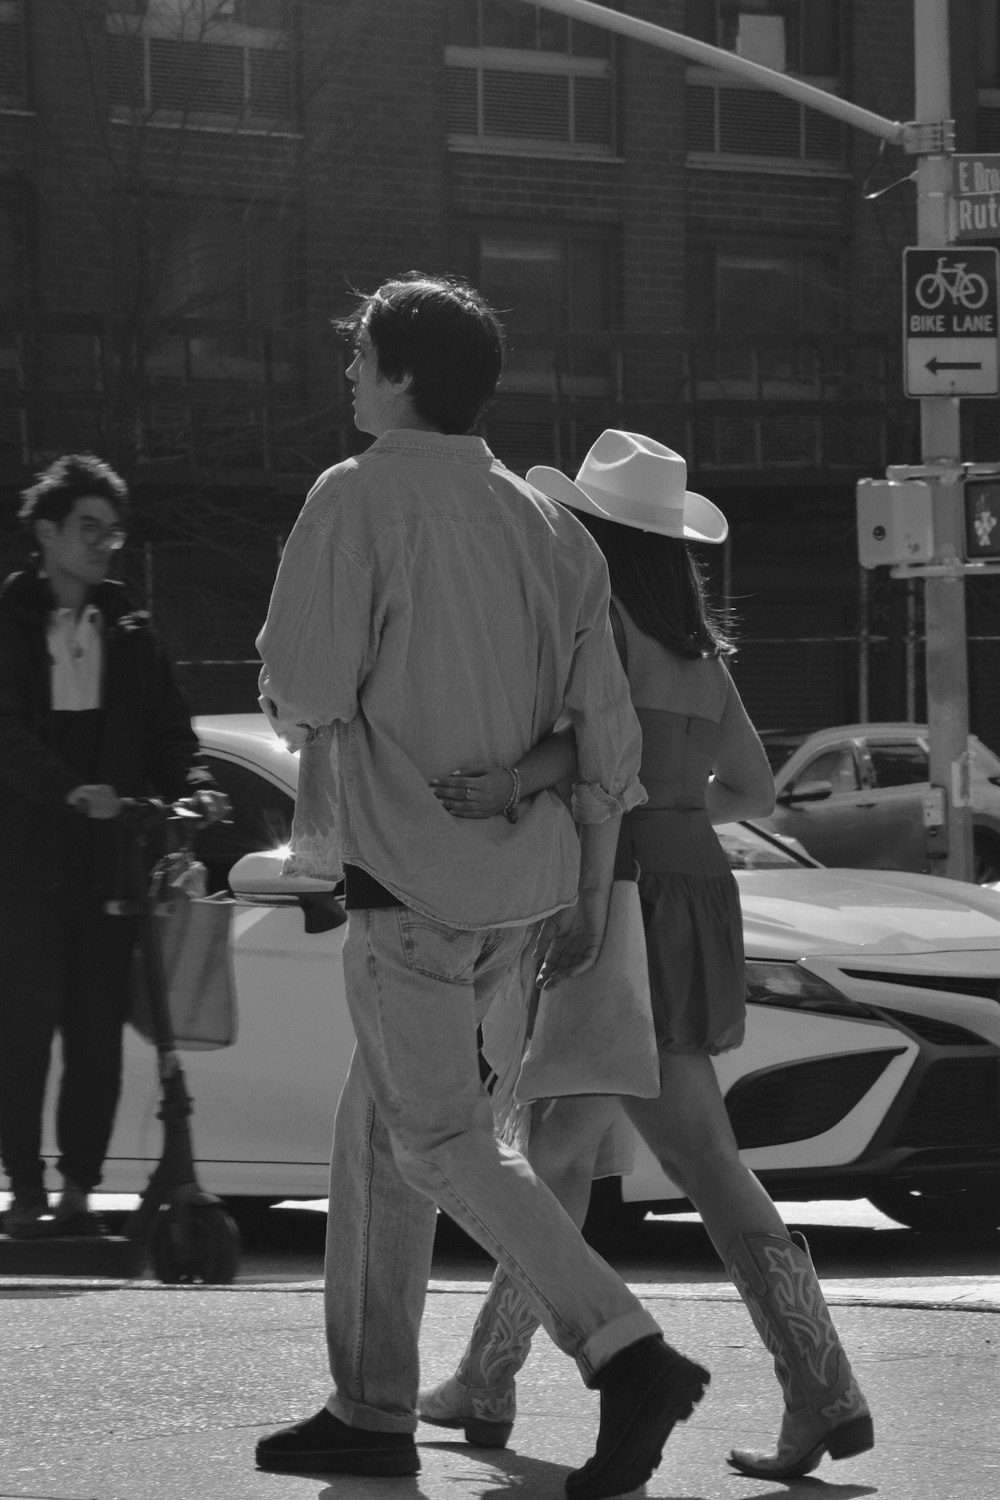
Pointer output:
x,y
96,535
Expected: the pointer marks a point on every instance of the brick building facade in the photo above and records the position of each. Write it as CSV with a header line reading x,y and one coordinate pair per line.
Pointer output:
x,y
190,188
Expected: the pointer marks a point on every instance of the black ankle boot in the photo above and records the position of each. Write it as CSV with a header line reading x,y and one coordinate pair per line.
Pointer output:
x,y
645,1390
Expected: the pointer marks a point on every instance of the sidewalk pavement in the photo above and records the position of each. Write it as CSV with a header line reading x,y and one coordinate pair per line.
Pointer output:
x,y
130,1390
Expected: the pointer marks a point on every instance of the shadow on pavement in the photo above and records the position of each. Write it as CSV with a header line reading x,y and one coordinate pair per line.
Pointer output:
x,y
819,1489
516,1473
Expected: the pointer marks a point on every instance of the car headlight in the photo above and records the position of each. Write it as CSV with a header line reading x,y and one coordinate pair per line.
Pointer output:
x,y
787,984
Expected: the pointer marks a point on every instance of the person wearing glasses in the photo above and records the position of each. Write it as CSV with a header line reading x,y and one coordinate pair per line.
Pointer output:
x,y
89,713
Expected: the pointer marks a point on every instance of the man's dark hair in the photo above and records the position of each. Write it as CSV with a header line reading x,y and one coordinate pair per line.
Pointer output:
x,y
661,584
57,489
443,333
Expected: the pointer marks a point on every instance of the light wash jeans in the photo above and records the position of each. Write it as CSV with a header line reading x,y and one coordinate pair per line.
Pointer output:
x,y
414,1129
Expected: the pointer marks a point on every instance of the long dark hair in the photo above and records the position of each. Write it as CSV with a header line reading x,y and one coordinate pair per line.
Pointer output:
x,y
661,584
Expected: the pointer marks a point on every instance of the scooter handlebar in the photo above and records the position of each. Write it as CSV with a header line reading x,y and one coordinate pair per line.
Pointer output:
x,y
148,811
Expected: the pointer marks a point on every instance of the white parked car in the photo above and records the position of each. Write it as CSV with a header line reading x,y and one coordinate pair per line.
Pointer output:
x,y
871,1067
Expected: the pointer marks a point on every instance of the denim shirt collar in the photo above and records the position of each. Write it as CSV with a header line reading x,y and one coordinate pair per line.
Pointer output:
x,y
460,447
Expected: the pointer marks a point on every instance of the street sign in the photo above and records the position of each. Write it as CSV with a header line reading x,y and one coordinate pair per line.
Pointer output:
x,y
974,208
950,337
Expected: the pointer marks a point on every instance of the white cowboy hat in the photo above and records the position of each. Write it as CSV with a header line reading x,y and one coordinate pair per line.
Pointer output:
x,y
637,482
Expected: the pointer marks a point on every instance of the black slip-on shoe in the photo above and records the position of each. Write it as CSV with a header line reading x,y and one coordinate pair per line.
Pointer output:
x,y
28,1217
324,1445
645,1390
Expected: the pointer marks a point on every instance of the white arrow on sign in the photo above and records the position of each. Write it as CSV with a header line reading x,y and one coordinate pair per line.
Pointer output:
x,y
952,367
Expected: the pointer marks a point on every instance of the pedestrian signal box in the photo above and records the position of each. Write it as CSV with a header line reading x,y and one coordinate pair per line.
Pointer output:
x,y
982,518
895,522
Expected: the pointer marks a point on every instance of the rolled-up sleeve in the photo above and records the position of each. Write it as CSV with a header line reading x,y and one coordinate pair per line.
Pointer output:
x,y
316,644
608,737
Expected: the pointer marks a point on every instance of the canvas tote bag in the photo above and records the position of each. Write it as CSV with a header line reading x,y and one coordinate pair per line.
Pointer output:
x,y
194,936
593,1033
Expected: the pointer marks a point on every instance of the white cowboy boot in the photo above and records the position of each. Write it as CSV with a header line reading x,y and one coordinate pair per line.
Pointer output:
x,y
480,1395
825,1411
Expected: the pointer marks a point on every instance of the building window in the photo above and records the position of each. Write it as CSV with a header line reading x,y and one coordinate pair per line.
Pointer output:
x,y
13,74
521,78
210,58
738,296
11,268
755,288
723,120
220,278
771,381
988,55
12,290
988,50
555,291
792,36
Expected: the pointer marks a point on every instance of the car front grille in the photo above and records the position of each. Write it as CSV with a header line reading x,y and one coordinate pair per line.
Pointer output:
x,y
791,1103
956,1103
933,1029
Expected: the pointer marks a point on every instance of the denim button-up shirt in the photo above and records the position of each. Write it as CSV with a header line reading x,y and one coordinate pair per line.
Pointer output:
x,y
440,613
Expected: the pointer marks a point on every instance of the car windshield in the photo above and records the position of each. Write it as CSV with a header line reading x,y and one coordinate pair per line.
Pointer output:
x,y
748,848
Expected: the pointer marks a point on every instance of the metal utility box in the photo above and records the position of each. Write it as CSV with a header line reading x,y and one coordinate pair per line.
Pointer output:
x,y
895,522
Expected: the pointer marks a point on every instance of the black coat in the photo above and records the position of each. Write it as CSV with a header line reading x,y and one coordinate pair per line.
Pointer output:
x,y
147,745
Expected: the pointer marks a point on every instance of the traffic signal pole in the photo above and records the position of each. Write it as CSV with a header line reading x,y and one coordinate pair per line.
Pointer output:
x,y
728,62
929,137
948,824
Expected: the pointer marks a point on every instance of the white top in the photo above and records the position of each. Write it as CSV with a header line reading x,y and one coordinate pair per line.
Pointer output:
x,y
76,650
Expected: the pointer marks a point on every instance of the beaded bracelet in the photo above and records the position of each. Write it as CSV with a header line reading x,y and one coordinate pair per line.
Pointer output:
x,y
510,811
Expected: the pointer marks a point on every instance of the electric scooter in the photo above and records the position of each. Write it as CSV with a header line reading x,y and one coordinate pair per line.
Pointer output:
x,y
180,1228
186,1231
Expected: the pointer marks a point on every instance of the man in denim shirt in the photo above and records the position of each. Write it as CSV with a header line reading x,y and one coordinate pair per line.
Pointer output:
x,y
437,611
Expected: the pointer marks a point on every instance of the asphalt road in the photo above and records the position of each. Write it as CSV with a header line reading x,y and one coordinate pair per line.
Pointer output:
x,y
132,1390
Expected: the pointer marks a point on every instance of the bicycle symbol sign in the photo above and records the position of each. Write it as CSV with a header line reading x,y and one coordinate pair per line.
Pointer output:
x,y
965,288
950,328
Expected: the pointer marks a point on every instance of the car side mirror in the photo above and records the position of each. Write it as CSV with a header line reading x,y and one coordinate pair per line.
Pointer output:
x,y
263,874
261,877
806,791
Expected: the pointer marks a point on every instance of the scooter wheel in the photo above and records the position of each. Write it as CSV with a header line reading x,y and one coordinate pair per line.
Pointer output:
x,y
207,1249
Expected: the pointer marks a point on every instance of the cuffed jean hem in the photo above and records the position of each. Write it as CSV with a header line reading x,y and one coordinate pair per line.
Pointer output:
x,y
622,1329
368,1418
612,1339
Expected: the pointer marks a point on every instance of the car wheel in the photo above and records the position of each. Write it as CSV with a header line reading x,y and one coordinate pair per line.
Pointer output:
x,y
986,860
946,1211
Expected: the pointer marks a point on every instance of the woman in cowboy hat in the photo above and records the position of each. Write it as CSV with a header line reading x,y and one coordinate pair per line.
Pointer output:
x,y
702,764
